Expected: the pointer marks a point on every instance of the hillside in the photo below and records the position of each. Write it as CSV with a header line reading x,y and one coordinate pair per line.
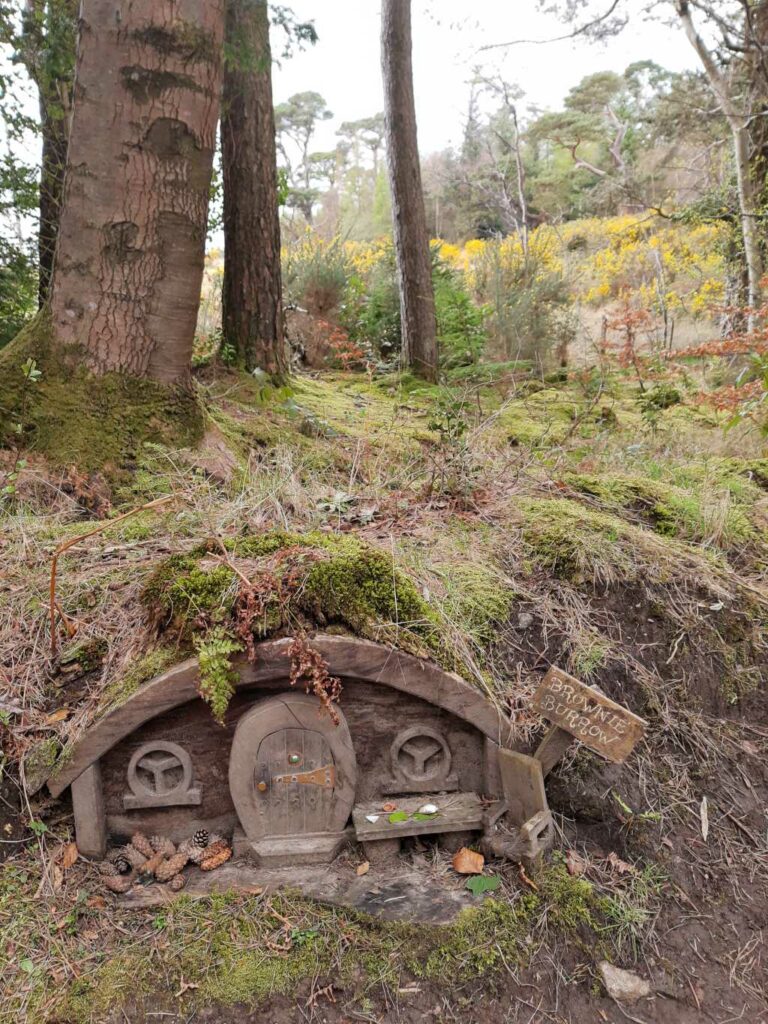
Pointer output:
x,y
566,519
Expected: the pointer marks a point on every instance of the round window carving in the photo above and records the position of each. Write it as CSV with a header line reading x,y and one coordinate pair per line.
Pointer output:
x,y
160,775
421,756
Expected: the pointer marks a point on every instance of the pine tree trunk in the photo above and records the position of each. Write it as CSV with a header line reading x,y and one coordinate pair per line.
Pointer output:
x,y
55,131
414,265
129,262
252,301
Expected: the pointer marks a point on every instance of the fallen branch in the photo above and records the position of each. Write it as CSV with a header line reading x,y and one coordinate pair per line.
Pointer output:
x,y
76,540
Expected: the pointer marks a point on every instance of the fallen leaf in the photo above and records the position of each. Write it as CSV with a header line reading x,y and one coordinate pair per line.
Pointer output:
x,y
704,815
96,903
575,863
483,883
69,856
57,877
58,716
467,862
620,866
364,868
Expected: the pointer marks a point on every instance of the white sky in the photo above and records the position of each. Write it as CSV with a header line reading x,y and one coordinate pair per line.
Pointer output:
x,y
344,65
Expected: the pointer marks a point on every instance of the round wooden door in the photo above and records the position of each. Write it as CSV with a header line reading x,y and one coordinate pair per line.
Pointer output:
x,y
292,775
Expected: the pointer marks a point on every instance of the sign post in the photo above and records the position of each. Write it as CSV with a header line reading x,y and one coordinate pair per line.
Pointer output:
x,y
584,713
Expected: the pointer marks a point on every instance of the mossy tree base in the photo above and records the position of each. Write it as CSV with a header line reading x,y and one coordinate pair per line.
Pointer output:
x,y
76,418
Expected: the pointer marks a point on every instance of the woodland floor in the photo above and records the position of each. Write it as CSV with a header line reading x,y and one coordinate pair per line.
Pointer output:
x,y
564,521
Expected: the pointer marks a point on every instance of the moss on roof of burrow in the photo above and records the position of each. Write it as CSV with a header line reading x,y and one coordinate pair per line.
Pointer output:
x,y
299,581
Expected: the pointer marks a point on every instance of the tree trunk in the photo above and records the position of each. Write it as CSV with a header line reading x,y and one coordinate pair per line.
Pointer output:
x,y
48,52
129,261
748,191
414,265
252,300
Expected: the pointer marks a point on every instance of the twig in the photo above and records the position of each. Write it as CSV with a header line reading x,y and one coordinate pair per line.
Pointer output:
x,y
76,540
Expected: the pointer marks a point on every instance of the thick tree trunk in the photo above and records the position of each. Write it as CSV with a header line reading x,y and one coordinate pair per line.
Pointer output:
x,y
252,299
129,260
417,299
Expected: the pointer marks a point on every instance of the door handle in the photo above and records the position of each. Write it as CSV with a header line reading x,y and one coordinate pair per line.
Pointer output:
x,y
262,777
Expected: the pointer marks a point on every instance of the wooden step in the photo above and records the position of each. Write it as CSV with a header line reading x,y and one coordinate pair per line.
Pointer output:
x,y
457,812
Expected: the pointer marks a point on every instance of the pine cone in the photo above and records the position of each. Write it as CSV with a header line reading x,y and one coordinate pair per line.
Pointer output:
x,y
194,853
132,855
148,868
202,837
108,869
173,866
160,844
215,860
122,864
119,883
177,883
142,844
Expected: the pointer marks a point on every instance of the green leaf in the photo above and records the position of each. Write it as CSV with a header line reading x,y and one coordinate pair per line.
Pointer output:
x,y
479,884
398,816
27,966
38,827
418,816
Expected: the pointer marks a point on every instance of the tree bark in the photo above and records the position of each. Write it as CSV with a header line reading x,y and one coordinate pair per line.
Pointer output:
x,y
48,52
414,264
252,300
129,261
748,190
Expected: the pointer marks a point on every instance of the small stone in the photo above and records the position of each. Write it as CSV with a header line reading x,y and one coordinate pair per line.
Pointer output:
x,y
524,620
373,818
428,809
623,986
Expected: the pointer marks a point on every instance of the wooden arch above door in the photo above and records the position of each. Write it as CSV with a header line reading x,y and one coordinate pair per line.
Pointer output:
x,y
346,657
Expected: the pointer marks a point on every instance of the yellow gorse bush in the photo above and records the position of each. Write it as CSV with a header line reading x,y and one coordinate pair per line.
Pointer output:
x,y
637,258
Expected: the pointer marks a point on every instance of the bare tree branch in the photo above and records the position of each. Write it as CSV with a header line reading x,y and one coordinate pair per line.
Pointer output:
x,y
580,31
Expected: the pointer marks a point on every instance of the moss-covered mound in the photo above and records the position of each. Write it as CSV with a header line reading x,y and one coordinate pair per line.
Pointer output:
x,y
219,599
75,418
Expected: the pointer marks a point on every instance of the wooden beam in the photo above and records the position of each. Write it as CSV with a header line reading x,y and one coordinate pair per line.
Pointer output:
x,y
90,817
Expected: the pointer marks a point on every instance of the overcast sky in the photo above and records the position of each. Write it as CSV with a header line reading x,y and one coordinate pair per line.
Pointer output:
x,y
344,65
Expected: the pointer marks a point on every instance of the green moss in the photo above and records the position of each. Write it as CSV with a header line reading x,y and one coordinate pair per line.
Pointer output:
x,y
153,664
574,542
39,762
183,591
75,417
89,655
571,901
478,599
691,514
364,590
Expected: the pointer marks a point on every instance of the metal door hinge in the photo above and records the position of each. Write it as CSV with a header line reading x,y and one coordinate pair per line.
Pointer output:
x,y
325,777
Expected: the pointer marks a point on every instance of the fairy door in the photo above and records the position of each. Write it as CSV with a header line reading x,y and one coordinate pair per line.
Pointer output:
x,y
292,775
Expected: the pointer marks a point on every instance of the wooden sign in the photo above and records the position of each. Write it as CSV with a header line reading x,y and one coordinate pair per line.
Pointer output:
x,y
596,721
